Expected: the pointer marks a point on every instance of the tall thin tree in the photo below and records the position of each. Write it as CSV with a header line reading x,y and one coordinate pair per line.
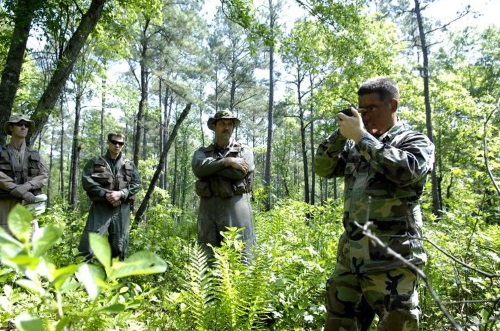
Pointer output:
x,y
270,110
436,198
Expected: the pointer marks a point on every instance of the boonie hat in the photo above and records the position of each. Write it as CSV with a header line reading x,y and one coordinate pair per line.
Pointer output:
x,y
16,119
222,115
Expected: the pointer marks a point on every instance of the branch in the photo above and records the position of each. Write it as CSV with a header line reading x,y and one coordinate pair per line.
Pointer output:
x,y
485,147
479,271
161,163
412,267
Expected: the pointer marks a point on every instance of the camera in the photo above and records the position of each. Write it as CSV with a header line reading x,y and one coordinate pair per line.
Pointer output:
x,y
347,111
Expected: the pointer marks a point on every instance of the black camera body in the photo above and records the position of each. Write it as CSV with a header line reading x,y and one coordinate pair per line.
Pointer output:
x,y
347,111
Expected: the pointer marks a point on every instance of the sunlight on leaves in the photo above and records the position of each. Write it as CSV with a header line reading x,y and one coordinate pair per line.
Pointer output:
x,y
45,238
140,263
20,223
100,248
27,322
89,276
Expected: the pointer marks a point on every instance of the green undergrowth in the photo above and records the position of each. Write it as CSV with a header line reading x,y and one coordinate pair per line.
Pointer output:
x,y
166,283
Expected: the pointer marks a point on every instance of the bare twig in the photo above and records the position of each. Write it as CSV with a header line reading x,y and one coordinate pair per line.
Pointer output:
x,y
460,302
479,271
417,270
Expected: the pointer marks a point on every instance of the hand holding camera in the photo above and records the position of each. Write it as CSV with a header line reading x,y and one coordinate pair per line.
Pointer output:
x,y
347,111
350,126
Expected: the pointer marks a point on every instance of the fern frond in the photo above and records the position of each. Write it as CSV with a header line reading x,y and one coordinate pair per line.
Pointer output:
x,y
198,291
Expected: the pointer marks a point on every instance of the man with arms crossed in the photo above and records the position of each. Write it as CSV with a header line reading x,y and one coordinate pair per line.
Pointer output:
x,y
23,173
225,173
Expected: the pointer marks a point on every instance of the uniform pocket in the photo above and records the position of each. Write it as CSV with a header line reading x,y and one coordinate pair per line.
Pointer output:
x,y
394,234
99,166
103,179
202,189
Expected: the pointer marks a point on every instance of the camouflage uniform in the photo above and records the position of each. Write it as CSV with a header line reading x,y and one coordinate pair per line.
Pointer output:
x,y
384,179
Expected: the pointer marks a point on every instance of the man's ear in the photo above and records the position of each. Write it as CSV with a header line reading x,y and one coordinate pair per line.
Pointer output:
x,y
394,105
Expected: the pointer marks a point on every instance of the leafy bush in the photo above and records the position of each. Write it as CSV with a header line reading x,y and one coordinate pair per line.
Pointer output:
x,y
282,289
39,295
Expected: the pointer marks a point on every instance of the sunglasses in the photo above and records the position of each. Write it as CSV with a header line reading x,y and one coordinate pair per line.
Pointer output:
x,y
20,124
119,143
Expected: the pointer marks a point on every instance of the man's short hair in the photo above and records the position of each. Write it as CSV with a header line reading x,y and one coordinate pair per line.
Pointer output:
x,y
116,134
386,88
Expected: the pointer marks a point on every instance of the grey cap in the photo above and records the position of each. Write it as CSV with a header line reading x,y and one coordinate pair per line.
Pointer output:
x,y
16,119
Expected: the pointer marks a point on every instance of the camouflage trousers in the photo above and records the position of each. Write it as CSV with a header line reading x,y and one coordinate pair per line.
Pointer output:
x,y
352,300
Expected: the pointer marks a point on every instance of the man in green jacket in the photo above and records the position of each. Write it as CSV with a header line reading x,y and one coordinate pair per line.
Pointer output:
x,y
384,164
111,182
225,172
23,173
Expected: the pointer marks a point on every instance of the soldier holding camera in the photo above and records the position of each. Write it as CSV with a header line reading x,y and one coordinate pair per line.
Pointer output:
x,y
384,164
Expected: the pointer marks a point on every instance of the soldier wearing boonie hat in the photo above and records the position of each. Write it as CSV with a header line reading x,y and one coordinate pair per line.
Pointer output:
x,y
22,170
223,114
225,174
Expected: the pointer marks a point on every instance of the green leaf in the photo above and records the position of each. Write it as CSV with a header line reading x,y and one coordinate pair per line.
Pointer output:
x,y
140,263
89,275
60,275
45,238
100,249
31,286
20,223
27,322
62,323
116,308
6,238
26,261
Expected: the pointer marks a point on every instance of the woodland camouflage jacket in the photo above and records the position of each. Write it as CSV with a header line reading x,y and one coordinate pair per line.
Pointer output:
x,y
383,181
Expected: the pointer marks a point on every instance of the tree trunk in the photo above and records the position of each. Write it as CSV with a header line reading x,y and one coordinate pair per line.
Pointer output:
x,y
102,143
313,174
75,156
23,13
185,167
168,114
304,157
51,164
270,120
61,159
144,93
64,66
174,180
159,168
161,105
436,198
